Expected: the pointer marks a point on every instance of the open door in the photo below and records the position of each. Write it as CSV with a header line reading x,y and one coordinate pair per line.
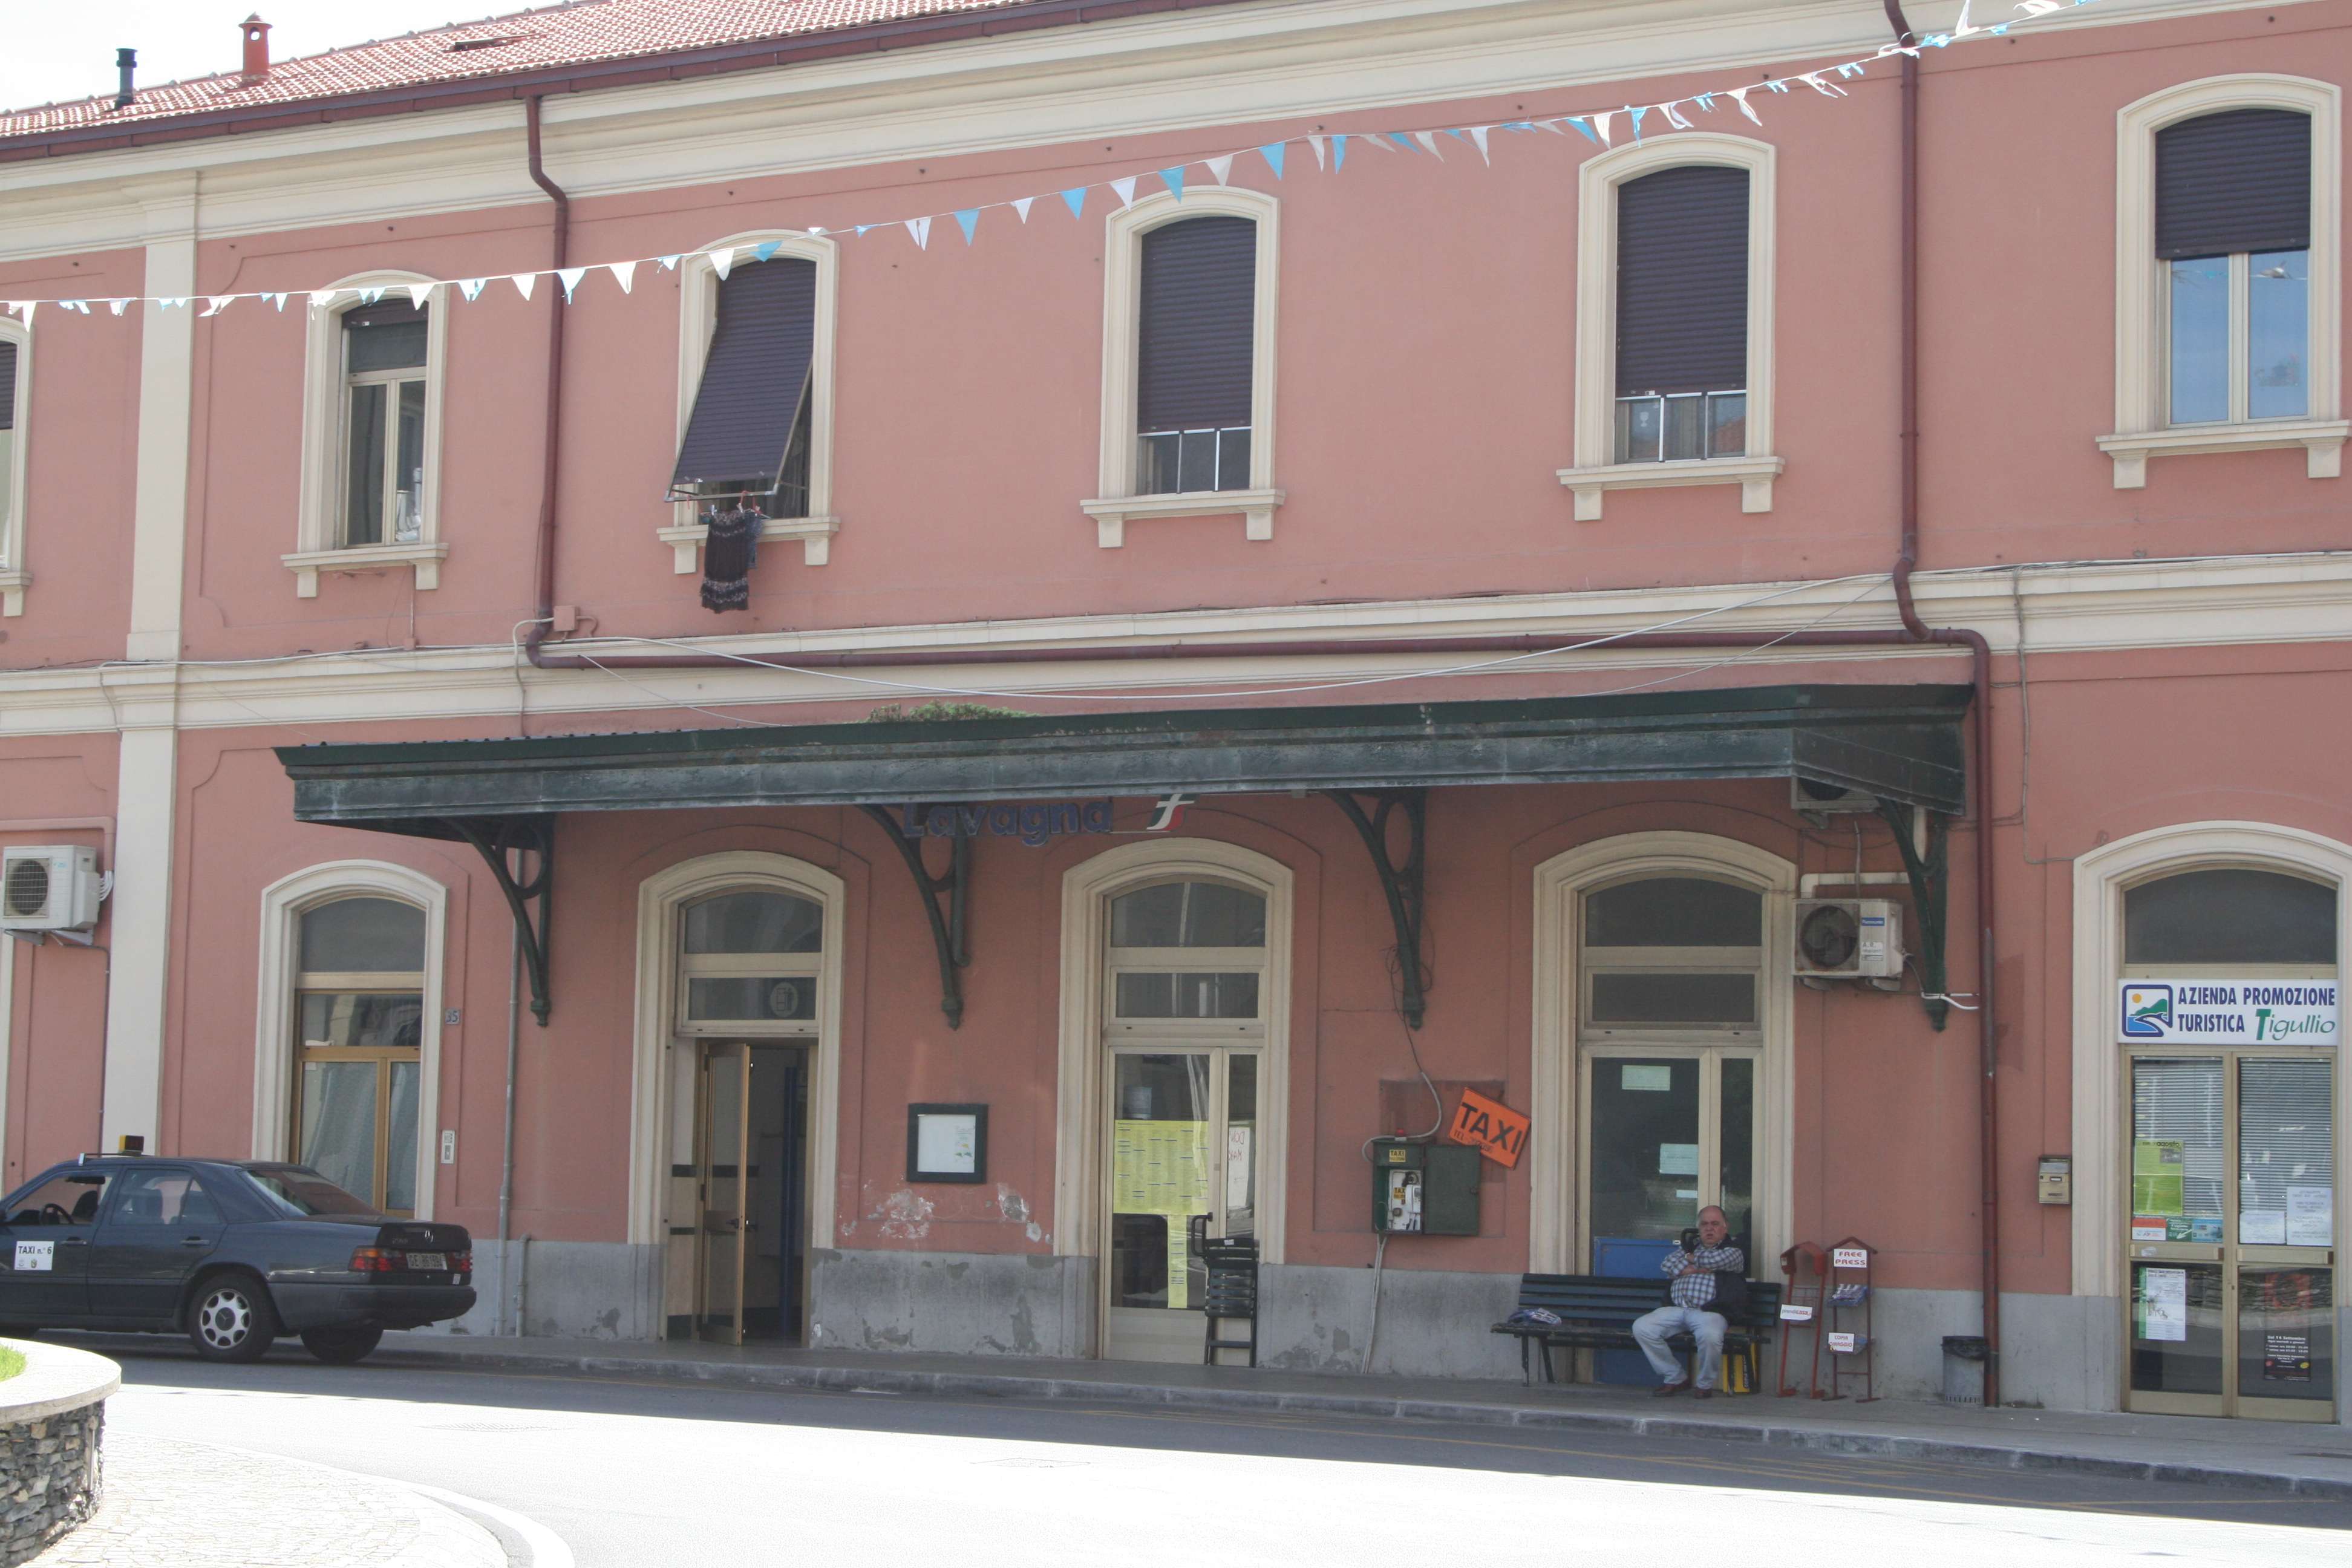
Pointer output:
x,y
722,1186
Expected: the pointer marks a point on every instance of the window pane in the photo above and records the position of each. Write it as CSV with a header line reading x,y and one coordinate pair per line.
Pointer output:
x,y
2286,1152
162,1197
364,936
1187,995
1653,996
2177,1171
2286,1334
71,1199
1155,463
1188,914
2177,1328
1685,438
363,1020
755,923
1645,1156
2201,340
400,1152
2278,335
1233,460
364,516
372,343
1727,418
1737,1153
339,1123
1640,429
409,481
1159,1177
1196,461
2231,917
8,472
1241,1145
752,998
1674,911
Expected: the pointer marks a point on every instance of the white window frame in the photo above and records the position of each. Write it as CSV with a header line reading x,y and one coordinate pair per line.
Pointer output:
x,y
283,904
1596,472
1116,501
14,578
2143,428
319,515
699,283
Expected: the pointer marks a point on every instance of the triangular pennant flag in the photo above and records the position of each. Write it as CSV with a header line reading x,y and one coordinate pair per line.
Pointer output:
x,y
321,298
1706,101
23,307
1174,179
419,294
669,263
1220,168
1583,125
277,301
1740,96
920,227
1478,135
117,305
1518,125
524,283
1551,125
766,248
370,296
1400,139
1601,125
1637,115
1826,88
623,273
1339,150
83,306
180,304
1021,205
471,287
1074,199
1676,121
1777,85
968,220
1274,152
1126,189
722,261
1428,140
215,303
862,228
569,278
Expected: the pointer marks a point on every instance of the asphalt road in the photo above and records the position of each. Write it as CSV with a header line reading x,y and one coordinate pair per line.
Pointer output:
x,y
644,1472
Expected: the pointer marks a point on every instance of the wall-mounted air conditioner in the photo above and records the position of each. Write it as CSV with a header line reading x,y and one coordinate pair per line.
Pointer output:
x,y
1849,939
49,886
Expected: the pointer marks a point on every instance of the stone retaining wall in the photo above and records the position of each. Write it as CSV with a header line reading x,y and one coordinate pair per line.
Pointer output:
x,y
52,1420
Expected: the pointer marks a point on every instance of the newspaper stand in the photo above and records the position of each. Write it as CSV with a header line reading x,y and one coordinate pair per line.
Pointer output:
x,y
1846,1322
1800,1308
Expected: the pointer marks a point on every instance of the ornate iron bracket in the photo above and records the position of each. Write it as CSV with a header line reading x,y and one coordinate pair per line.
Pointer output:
x,y
501,840
948,929
1930,893
1401,884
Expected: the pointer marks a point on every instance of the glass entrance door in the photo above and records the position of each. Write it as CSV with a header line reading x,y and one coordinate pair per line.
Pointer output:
x,y
722,1187
2232,1226
1183,1169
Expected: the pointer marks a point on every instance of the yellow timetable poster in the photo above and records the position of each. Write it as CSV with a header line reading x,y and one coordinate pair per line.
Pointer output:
x,y
1162,1168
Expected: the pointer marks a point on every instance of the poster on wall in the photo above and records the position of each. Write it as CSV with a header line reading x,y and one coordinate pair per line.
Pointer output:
x,y
2226,1012
2157,1166
2164,1304
2310,1216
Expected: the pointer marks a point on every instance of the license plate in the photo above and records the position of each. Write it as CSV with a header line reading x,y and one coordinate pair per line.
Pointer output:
x,y
430,1262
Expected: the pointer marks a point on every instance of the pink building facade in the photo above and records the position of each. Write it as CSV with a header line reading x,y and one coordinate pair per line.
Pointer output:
x,y
1472,710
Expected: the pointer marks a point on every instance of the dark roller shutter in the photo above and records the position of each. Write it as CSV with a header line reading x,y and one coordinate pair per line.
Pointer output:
x,y
1682,282
7,386
387,335
1199,325
2240,180
755,377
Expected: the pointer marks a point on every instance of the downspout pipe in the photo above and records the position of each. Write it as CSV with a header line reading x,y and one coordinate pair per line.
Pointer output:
x,y
544,569
1906,561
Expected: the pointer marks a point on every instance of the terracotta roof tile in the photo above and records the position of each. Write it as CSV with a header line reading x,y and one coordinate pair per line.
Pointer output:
x,y
577,33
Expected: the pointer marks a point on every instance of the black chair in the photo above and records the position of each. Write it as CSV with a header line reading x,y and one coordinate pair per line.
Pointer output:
x,y
1231,1293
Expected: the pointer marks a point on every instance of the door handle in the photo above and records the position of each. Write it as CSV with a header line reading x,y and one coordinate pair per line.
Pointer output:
x,y
73,1241
195,1241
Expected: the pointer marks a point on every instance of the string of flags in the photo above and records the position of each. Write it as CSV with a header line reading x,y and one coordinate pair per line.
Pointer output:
x,y
1601,128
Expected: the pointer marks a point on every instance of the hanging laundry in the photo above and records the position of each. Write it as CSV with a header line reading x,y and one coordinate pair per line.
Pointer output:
x,y
729,553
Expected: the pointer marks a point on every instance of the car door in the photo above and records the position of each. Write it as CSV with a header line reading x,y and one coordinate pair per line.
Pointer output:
x,y
45,1247
157,1227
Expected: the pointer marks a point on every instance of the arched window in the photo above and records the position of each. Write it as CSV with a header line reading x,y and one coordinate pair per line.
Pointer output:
x,y
749,964
358,1022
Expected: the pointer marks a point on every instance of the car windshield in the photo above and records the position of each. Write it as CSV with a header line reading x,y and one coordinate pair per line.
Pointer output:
x,y
303,1192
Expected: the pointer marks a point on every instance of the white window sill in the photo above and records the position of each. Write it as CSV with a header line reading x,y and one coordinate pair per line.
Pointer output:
x,y
307,565
1754,475
816,535
2321,439
1255,508
14,580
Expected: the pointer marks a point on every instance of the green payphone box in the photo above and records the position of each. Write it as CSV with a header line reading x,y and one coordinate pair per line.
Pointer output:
x,y
1425,1189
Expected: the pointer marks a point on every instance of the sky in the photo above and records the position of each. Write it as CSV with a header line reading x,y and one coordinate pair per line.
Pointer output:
x,y
60,51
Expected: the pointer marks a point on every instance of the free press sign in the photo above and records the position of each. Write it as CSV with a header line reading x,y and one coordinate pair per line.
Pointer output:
x,y
2227,1012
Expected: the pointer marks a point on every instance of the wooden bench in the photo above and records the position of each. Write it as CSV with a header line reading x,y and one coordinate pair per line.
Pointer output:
x,y
1596,1312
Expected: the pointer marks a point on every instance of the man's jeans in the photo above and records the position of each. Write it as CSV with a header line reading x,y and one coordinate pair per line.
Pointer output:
x,y
1653,1330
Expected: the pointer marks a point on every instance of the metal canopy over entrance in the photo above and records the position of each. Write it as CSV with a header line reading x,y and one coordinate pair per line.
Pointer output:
x,y
1900,743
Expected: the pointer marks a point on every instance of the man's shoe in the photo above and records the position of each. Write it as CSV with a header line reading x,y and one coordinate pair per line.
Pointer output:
x,y
1704,1393
1663,1389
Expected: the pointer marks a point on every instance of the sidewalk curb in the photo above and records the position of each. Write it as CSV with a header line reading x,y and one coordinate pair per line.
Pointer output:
x,y
1008,1385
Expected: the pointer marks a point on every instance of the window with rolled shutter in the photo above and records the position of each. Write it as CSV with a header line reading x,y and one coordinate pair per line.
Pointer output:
x,y
7,433
1195,356
748,433
385,346
1682,315
7,386
2233,235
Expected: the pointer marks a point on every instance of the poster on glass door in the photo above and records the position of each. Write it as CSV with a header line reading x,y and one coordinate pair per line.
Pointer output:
x,y
2227,1012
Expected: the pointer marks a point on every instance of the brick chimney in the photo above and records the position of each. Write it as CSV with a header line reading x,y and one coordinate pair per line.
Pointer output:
x,y
256,48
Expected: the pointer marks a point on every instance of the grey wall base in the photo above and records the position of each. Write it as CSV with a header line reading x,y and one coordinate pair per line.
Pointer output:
x,y
2061,1352
565,1289
1432,1324
960,1303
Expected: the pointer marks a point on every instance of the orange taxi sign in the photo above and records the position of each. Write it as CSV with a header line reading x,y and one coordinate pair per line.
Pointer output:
x,y
1494,1130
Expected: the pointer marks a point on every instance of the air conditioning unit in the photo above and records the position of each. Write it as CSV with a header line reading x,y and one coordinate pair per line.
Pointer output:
x,y
1849,939
1811,794
49,886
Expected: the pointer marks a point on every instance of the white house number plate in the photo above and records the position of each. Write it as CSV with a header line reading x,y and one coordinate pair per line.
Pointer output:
x,y
36,1256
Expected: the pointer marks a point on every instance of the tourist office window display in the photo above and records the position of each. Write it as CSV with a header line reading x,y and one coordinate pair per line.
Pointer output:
x,y
2228,1009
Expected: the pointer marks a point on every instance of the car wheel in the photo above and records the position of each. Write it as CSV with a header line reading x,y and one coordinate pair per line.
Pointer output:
x,y
342,1345
231,1319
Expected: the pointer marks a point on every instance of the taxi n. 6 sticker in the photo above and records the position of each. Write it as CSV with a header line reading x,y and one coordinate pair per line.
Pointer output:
x,y
36,1256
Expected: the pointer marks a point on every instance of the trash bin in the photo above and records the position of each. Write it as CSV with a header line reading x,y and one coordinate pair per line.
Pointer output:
x,y
1964,1357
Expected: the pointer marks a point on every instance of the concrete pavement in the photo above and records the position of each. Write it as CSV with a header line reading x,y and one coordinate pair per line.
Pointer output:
x,y
197,1505
2289,1458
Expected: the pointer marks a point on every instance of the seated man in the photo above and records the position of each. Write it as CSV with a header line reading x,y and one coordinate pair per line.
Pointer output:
x,y
1691,1293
